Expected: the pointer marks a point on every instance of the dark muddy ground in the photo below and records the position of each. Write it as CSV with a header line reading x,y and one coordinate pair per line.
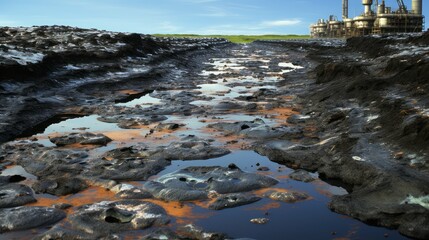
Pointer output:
x,y
125,136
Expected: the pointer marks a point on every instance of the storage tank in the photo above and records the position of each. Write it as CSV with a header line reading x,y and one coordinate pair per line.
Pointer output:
x,y
381,8
417,7
367,4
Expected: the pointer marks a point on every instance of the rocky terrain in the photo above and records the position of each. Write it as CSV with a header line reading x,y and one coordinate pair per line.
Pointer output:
x,y
124,136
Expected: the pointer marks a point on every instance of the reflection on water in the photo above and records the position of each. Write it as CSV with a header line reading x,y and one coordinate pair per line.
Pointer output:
x,y
309,219
144,102
88,123
17,170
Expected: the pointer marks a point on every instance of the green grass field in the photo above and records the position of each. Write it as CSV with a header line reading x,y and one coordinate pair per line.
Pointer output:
x,y
238,38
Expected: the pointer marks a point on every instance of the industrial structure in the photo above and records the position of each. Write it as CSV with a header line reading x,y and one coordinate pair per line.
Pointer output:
x,y
376,19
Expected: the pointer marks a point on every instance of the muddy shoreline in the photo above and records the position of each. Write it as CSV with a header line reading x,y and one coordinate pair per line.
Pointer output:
x,y
104,120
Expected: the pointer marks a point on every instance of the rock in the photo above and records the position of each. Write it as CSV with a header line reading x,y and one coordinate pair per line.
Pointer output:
x,y
227,105
132,121
160,234
233,200
297,119
194,183
104,218
288,197
191,231
13,195
59,232
167,126
301,175
60,186
263,169
131,169
259,220
190,150
136,151
257,130
126,191
21,218
81,138
47,161
293,155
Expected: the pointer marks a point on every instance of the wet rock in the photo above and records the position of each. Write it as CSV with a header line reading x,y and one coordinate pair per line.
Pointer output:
x,y
227,106
194,183
136,122
13,195
251,107
288,197
60,186
191,231
335,115
47,161
21,218
263,169
104,218
58,232
233,200
257,130
135,151
163,233
127,191
296,119
133,120
189,150
121,169
167,126
379,204
81,138
301,175
259,220
294,155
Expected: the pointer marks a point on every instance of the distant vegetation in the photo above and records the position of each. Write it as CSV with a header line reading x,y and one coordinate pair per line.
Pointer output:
x,y
238,38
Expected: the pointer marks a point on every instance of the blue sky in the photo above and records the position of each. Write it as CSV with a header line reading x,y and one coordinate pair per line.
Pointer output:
x,y
179,16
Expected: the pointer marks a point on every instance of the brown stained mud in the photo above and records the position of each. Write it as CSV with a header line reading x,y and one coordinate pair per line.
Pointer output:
x,y
88,196
268,90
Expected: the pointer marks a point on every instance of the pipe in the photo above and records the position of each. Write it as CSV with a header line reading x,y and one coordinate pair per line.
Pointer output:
x,y
345,9
417,6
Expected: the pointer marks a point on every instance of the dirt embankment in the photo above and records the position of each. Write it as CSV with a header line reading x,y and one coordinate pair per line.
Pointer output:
x,y
370,104
46,70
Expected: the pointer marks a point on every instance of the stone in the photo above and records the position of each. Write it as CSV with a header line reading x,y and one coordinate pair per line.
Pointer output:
x,y
301,175
233,200
21,218
60,186
167,126
259,220
191,231
288,197
81,138
106,217
190,150
13,195
194,183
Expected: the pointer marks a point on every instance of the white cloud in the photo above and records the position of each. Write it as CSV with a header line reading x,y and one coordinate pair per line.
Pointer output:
x,y
281,23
